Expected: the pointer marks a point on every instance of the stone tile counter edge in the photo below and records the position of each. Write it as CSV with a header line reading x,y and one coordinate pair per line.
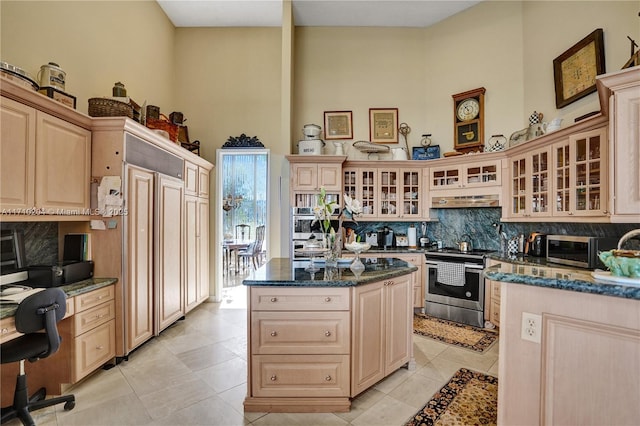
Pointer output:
x,y
71,290
579,280
286,273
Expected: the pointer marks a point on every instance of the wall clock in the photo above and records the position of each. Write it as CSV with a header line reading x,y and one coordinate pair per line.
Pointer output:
x,y
468,120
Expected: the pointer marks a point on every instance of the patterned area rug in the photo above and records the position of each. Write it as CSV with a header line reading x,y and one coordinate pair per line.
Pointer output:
x,y
454,333
470,398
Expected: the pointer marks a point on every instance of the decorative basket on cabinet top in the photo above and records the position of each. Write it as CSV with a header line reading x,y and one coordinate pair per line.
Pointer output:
x,y
104,107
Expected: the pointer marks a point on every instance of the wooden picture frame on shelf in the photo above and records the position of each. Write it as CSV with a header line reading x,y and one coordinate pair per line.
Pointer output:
x,y
338,125
383,125
575,71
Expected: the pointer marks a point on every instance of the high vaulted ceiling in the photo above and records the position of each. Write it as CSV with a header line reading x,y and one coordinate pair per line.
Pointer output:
x,y
337,13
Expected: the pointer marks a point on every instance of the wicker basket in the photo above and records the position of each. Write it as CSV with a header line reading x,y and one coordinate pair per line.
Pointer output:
x,y
170,128
104,107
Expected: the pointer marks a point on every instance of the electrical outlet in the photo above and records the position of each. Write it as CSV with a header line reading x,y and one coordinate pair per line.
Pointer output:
x,y
531,327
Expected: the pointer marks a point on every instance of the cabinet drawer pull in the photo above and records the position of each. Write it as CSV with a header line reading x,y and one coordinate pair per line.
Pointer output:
x,y
327,333
5,330
274,333
328,378
327,299
100,347
274,299
273,378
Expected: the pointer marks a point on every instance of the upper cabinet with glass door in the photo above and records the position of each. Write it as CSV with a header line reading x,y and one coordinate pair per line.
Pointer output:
x,y
581,174
386,192
468,175
530,184
561,177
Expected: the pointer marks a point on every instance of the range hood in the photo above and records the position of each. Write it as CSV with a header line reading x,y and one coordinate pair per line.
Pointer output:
x,y
462,201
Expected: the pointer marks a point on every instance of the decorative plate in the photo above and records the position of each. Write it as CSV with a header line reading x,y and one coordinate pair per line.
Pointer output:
x,y
607,277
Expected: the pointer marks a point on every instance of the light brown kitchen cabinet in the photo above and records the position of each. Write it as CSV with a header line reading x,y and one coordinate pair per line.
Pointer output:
x,y
299,345
46,159
469,175
314,348
385,192
94,331
417,278
310,172
138,311
492,298
168,251
530,184
196,235
580,184
583,370
620,96
196,268
147,248
561,176
382,330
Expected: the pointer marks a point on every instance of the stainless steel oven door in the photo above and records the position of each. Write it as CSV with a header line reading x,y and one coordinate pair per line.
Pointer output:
x,y
460,284
304,227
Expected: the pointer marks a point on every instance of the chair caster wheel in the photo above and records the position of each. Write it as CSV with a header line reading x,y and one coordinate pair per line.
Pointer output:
x,y
69,405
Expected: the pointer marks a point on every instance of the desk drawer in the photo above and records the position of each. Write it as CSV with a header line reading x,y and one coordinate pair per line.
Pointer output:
x,y
93,349
300,332
299,299
86,320
300,375
94,298
8,329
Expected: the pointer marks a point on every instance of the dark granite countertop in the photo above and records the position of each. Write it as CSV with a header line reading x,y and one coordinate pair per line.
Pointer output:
x,y
540,273
71,290
285,272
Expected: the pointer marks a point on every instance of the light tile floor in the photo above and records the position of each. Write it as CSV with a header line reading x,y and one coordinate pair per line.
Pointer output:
x,y
194,373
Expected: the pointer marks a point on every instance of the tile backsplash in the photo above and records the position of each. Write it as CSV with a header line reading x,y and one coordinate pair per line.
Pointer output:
x,y
40,241
481,225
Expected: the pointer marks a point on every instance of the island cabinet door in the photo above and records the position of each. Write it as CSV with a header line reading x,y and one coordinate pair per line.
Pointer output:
x,y
398,322
368,354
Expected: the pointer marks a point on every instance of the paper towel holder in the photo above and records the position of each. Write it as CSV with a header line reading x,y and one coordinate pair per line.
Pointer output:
x,y
412,237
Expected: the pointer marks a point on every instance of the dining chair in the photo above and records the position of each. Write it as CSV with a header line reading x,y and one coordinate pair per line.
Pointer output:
x,y
254,251
244,230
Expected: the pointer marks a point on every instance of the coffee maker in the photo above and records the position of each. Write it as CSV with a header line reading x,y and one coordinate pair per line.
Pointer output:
x,y
386,237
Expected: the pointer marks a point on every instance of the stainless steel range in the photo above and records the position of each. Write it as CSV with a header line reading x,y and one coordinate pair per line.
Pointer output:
x,y
454,287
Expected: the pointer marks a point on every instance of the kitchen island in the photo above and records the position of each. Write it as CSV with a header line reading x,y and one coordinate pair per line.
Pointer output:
x,y
569,346
317,339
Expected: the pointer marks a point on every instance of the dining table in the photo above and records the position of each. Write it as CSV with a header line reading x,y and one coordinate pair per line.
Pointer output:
x,y
231,246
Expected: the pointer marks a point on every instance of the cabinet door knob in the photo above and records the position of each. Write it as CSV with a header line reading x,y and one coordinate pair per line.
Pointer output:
x,y
273,378
327,333
327,299
274,333
274,299
328,378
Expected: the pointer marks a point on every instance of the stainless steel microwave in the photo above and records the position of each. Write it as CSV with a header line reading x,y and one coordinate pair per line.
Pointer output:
x,y
578,251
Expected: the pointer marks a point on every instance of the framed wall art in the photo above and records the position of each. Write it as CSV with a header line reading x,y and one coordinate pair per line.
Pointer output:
x,y
338,125
575,71
383,125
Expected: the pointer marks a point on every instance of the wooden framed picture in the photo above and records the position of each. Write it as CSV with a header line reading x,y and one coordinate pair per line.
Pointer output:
x,y
383,125
338,125
575,71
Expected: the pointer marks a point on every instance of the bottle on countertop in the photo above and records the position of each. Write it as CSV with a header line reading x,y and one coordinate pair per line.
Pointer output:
x,y
521,243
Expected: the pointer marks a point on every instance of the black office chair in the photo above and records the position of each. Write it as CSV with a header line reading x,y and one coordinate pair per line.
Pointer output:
x,y
42,310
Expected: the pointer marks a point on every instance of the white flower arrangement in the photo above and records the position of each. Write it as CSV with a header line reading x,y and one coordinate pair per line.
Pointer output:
x,y
324,211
